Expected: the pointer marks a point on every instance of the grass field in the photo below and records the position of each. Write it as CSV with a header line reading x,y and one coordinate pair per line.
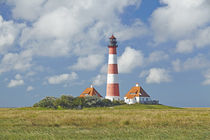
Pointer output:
x,y
124,122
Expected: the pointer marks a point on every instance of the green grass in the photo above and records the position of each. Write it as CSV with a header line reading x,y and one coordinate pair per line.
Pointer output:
x,y
120,122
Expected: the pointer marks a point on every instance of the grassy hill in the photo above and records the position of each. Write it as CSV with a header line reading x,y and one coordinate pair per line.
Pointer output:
x,y
120,122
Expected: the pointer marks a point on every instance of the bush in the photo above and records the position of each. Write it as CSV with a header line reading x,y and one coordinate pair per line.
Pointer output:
x,y
106,102
116,102
93,101
65,101
48,102
70,102
78,102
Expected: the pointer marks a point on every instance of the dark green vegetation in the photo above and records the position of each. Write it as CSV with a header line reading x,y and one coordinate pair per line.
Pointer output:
x,y
70,102
124,122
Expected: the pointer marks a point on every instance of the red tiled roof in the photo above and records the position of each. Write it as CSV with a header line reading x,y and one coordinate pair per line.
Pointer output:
x,y
90,92
136,92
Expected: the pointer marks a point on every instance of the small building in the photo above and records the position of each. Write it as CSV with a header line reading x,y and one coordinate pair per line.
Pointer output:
x,y
138,95
91,91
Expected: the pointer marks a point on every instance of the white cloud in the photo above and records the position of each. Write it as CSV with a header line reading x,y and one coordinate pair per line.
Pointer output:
x,y
200,40
67,28
184,46
135,30
16,82
104,68
75,27
207,78
156,75
144,73
18,77
8,33
177,65
30,73
91,62
24,9
178,19
15,61
129,60
157,56
33,9
63,78
30,88
99,80
197,62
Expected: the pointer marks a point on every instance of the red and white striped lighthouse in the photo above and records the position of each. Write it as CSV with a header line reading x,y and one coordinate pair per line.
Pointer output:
x,y
112,90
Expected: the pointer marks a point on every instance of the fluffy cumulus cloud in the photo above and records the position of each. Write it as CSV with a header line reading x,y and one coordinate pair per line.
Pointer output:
x,y
70,29
99,80
129,60
91,62
157,56
24,9
156,75
63,78
200,40
197,62
178,19
65,28
8,34
74,27
184,46
18,81
15,61
29,88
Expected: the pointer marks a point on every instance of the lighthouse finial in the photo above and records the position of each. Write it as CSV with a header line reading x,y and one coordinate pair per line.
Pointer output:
x,y
112,37
113,41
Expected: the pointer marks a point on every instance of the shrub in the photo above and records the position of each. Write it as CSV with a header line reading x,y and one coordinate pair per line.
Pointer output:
x,y
70,102
48,102
116,102
78,102
65,101
106,102
93,101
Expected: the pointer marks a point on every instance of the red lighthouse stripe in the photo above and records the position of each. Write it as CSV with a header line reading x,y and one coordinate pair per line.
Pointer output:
x,y
112,50
112,90
112,69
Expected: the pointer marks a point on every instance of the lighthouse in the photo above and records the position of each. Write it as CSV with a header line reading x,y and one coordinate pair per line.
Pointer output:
x,y
112,90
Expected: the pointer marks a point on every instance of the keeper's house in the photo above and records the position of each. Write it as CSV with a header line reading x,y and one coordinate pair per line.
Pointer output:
x,y
138,95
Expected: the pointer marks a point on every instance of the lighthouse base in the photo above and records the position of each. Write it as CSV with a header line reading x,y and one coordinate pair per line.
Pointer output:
x,y
112,98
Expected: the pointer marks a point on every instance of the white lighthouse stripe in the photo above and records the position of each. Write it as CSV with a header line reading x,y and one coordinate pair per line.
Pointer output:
x,y
112,59
112,78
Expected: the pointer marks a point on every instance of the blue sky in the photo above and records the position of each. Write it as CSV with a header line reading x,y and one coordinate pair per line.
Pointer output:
x,y
51,48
